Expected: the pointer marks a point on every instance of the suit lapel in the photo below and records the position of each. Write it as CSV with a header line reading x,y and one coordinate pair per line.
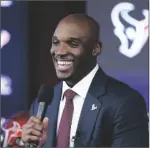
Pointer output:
x,y
52,115
90,110
87,121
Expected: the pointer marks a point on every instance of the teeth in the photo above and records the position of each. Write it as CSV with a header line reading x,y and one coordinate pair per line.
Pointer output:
x,y
64,62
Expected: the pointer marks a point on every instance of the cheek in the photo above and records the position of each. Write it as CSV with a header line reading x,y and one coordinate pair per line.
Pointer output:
x,y
52,51
78,52
56,49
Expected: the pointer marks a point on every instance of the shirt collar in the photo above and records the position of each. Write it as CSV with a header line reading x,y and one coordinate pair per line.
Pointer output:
x,y
82,87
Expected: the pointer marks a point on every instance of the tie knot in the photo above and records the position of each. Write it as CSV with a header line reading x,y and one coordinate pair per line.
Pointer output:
x,y
69,94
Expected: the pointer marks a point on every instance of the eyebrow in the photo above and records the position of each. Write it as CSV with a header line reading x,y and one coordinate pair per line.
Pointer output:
x,y
54,37
70,38
75,39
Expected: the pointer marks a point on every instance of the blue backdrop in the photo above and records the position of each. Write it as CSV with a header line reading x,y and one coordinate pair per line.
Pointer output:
x,y
14,75
124,34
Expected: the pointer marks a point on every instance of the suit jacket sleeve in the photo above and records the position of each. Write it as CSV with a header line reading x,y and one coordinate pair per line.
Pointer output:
x,y
131,124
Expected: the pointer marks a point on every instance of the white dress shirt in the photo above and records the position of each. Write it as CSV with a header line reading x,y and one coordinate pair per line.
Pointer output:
x,y
81,88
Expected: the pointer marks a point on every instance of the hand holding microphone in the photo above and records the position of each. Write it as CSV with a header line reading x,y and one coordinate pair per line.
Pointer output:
x,y
35,131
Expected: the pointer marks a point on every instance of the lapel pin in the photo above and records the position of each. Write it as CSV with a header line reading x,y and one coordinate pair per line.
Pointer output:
x,y
94,107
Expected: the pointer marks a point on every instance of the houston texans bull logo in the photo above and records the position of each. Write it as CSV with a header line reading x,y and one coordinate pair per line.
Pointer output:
x,y
137,33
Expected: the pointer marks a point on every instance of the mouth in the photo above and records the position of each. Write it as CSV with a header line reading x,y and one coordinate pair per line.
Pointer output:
x,y
63,65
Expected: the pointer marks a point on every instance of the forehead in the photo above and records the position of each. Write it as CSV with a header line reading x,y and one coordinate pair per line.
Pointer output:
x,y
71,29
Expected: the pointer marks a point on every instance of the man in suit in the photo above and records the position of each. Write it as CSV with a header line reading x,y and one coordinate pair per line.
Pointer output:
x,y
103,112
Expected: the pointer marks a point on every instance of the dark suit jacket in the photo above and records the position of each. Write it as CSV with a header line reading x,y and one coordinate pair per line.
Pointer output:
x,y
120,119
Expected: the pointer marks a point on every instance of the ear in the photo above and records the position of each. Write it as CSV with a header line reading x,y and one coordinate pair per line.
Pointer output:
x,y
97,49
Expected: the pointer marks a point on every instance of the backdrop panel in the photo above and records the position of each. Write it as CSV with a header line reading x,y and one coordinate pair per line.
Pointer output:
x,y
14,78
124,34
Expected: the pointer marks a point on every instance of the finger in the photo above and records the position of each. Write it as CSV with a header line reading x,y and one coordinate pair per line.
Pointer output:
x,y
45,132
25,134
29,138
34,120
26,129
38,127
43,139
33,132
34,125
36,133
45,124
27,126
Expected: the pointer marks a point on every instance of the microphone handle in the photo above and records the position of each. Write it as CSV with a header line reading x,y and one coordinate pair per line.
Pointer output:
x,y
42,108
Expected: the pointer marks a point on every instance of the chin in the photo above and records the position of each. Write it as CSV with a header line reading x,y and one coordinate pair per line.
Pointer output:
x,y
62,76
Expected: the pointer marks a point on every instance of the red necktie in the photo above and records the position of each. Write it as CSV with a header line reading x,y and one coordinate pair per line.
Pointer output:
x,y
65,122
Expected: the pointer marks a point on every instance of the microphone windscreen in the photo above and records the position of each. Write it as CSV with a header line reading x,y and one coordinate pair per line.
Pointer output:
x,y
45,94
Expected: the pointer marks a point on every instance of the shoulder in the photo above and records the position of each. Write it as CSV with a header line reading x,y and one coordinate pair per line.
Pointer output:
x,y
116,93
112,87
121,102
123,97
120,89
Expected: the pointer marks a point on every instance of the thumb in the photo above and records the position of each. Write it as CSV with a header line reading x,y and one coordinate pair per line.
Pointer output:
x,y
45,123
45,132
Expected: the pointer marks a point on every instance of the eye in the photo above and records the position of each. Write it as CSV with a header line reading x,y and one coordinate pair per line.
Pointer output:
x,y
73,44
55,42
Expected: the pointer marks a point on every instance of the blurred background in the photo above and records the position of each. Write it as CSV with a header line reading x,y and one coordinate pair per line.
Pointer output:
x,y
26,30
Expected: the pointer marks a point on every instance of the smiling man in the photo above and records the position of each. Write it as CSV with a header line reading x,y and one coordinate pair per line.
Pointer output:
x,y
89,108
75,46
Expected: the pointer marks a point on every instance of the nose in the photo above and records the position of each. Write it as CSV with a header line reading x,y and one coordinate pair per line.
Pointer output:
x,y
61,50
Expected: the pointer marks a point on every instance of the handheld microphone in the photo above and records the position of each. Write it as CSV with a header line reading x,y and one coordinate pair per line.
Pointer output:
x,y
45,96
